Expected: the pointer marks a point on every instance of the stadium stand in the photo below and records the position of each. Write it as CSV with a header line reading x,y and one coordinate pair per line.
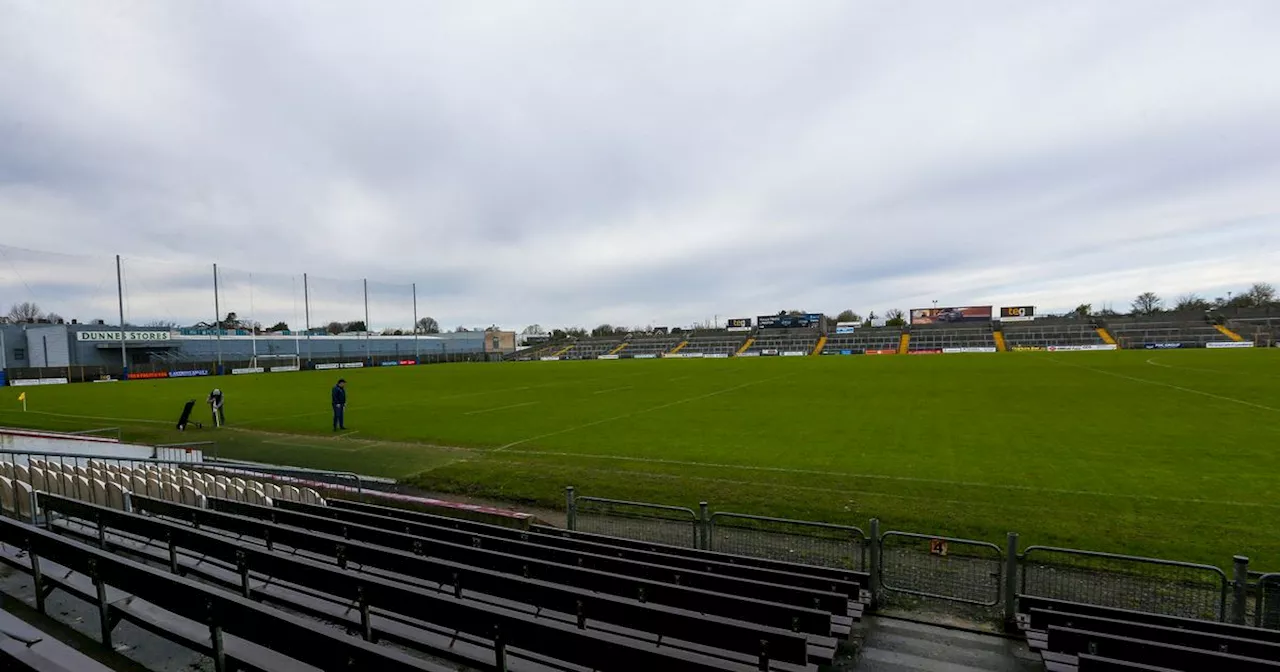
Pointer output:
x,y
1079,636
1261,331
1165,330
592,348
935,338
713,343
651,346
24,648
224,564
1050,332
785,342
866,339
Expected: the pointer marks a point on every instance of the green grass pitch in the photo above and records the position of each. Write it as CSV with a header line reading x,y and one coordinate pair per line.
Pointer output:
x,y
1173,453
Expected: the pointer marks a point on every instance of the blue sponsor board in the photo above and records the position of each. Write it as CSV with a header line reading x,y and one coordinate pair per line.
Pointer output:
x,y
188,374
4,380
809,320
396,363
1161,346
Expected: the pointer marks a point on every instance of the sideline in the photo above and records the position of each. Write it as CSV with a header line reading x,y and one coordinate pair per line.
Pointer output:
x,y
639,412
500,408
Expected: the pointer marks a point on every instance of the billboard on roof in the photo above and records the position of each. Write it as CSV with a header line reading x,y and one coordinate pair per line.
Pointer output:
x,y
950,315
809,320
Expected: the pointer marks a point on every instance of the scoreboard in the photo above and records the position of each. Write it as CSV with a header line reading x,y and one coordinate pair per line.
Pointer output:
x,y
1018,314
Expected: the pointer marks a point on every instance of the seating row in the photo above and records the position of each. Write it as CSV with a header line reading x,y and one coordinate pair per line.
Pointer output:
x,y
550,597
1036,335
1077,636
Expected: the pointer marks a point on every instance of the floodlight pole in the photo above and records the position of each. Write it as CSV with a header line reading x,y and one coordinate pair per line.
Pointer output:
x,y
417,358
124,354
306,309
217,319
368,354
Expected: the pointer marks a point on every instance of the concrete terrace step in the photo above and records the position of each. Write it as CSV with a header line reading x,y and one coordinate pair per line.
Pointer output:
x,y
893,645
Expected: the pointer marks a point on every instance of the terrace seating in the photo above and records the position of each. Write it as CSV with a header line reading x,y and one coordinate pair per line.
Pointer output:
x,y
713,343
168,543
591,348
25,648
935,338
1040,335
1079,636
1261,330
785,342
651,346
1137,333
866,339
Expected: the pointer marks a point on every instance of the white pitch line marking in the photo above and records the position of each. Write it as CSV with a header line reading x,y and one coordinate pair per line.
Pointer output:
x,y
612,389
1172,387
500,408
639,412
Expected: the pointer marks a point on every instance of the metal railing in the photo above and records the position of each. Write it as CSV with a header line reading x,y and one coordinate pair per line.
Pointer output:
x,y
658,523
947,568
800,541
1126,582
1266,613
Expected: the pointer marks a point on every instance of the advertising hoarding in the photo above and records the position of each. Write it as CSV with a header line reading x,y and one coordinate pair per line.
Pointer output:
x,y
1018,314
950,315
847,327
808,320
739,324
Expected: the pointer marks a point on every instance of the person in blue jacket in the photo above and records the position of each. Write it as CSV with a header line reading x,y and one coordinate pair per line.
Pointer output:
x,y
339,399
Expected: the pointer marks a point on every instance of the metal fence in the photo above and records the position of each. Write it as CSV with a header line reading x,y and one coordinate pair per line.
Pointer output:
x,y
805,542
1126,582
957,570
1267,612
658,523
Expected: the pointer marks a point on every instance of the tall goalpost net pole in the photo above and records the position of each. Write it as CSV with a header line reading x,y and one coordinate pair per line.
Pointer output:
x,y
217,318
124,353
368,353
306,308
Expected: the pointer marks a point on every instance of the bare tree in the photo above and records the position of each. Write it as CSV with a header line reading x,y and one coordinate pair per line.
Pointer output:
x,y
1083,310
603,330
161,324
1261,294
428,325
1146,303
848,316
894,317
1191,301
25,312
533,330
334,328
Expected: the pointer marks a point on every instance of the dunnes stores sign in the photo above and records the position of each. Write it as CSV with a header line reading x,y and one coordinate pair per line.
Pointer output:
x,y
128,336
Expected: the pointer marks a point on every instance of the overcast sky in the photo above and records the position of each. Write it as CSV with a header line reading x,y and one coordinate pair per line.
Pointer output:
x,y
635,162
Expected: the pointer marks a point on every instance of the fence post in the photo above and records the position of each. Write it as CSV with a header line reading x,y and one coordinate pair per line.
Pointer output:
x,y
876,561
704,527
1011,582
1241,585
571,509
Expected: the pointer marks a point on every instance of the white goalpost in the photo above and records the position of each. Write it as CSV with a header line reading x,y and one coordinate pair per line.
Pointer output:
x,y
289,362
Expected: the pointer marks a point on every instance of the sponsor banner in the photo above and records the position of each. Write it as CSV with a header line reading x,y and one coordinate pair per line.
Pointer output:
x,y
647,355
692,355
932,351
952,351
326,367
395,363
717,355
247,369
1018,314
881,352
550,359
351,365
769,352
951,315
1028,348
284,369
86,336
408,362
739,324
793,353
144,375
194,373
749,354
25,382
1231,344
1161,346
607,357
808,320
847,327
104,380
1082,348
879,322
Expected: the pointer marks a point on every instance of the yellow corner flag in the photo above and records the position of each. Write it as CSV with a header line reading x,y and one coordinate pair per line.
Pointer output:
x,y
23,398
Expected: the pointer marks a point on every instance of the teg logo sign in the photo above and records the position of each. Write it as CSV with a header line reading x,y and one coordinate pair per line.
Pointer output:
x,y
128,336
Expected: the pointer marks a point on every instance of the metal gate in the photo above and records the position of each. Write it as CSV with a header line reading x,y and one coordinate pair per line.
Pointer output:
x,y
958,570
1126,582
657,523
1267,612
800,541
